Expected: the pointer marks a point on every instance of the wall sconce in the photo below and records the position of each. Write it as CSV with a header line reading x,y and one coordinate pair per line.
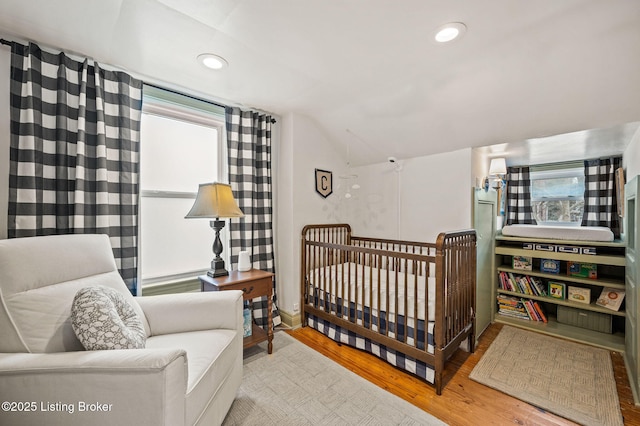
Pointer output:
x,y
497,169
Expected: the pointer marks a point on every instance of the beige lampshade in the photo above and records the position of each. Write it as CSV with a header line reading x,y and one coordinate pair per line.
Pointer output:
x,y
214,200
498,166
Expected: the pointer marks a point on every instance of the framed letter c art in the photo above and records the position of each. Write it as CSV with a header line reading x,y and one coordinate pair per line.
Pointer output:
x,y
324,182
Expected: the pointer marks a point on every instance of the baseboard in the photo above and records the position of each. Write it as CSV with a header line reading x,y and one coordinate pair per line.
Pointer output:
x,y
290,320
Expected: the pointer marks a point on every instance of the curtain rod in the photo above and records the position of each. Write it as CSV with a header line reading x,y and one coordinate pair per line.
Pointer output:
x,y
273,120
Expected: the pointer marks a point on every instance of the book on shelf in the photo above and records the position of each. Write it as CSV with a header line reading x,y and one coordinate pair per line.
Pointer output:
x,y
610,298
538,286
557,290
522,262
524,284
540,311
530,310
520,308
579,294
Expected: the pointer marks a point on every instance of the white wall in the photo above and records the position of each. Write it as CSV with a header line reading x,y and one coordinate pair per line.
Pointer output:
x,y
303,148
632,157
414,199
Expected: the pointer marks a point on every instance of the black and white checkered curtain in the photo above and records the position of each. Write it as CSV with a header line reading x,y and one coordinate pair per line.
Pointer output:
x,y
74,151
519,209
600,201
249,144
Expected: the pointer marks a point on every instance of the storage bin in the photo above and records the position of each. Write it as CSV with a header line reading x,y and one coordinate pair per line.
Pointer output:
x,y
596,321
568,249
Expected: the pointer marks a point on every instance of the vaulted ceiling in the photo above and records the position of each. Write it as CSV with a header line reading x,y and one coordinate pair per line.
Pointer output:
x,y
367,71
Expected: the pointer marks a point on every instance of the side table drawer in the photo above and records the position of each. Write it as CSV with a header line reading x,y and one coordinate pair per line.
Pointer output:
x,y
253,289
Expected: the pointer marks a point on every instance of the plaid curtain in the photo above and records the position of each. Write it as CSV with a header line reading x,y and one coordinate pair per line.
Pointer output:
x,y
519,209
600,199
74,151
249,144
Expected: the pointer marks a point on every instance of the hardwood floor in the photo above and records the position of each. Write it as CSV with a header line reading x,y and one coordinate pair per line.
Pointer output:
x,y
463,401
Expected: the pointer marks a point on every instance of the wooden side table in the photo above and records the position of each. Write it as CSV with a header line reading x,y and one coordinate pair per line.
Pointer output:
x,y
253,283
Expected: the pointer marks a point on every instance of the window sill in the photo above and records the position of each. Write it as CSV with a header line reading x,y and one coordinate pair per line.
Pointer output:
x,y
187,285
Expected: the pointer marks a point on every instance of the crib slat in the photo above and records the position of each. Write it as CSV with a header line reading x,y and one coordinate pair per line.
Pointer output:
x,y
416,298
387,298
370,292
379,290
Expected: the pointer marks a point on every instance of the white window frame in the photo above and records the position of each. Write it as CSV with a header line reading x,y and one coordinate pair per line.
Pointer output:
x,y
168,104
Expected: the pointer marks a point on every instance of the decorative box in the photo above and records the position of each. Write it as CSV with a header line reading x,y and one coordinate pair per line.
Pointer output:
x,y
596,321
545,247
579,294
583,270
568,249
551,266
522,262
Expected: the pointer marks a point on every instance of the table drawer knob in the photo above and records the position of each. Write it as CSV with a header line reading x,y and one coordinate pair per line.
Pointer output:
x,y
244,290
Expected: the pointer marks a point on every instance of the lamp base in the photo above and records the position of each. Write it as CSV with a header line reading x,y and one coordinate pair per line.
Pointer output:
x,y
214,274
217,269
217,264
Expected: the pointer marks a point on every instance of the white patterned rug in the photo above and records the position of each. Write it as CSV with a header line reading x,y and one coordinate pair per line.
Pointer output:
x,y
299,386
569,379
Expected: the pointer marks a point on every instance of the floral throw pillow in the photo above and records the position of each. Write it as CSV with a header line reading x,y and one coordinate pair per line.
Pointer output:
x,y
103,319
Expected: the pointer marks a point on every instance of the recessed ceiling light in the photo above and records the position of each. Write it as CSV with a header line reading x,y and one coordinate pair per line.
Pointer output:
x,y
212,61
450,32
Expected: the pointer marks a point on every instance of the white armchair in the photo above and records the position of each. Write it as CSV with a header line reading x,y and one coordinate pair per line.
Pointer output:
x,y
188,373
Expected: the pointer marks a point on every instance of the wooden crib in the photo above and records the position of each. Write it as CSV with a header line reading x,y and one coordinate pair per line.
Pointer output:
x,y
409,303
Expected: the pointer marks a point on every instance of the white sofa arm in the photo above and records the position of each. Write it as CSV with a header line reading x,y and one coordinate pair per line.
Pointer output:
x,y
182,312
132,386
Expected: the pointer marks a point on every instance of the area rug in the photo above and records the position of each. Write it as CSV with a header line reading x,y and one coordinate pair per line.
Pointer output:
x,y
299,386
569,379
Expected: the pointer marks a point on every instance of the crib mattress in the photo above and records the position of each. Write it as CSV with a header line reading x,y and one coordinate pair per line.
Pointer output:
x,y
576,233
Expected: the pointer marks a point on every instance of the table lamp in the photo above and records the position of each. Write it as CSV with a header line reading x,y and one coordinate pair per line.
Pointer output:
x,y
215,200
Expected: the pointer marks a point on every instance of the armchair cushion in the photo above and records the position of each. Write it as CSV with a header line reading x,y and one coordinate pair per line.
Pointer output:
x,y
103,319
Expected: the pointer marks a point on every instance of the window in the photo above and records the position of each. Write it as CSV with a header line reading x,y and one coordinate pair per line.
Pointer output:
x,y
557,195
182,145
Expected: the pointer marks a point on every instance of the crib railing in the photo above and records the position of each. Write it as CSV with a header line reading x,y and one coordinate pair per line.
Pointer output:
x,y
374,289
341,273
456,270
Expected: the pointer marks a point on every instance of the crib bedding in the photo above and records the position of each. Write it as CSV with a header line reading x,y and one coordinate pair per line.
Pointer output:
x,y
390,324
397,359
574,233
358,282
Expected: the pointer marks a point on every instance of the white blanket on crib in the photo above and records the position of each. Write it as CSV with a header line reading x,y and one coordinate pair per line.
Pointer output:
x,y
356,279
